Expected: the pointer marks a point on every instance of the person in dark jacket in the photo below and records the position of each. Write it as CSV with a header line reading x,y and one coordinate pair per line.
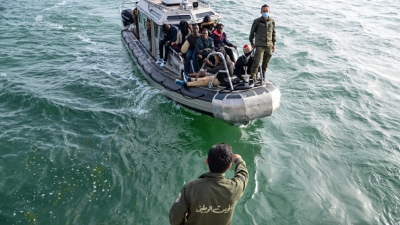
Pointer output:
x,y
244,62
211,199
189,49
170,34
263,31
207,23
220,39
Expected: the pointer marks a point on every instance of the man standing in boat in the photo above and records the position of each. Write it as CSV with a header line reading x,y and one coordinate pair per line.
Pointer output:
x,y
263,31
211,199
170,34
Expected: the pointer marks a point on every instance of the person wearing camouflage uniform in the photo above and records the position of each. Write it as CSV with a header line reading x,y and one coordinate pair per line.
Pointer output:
x,y
263,31
211,199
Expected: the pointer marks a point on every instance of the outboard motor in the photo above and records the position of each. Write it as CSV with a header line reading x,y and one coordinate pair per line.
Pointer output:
x,y
127,17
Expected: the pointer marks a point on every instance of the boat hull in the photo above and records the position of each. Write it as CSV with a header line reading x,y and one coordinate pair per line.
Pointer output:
x,y
238,106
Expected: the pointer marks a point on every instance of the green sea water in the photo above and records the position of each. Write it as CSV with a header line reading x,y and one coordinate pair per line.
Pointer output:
x,y
84,138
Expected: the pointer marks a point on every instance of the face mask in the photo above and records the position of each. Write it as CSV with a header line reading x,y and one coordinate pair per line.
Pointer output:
x,y
265,15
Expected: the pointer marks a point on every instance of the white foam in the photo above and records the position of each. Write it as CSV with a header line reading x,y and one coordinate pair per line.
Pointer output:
x,y
57,5
38,18
56,26
85,39
61,3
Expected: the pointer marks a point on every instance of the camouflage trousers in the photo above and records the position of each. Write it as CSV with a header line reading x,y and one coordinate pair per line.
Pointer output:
x,y
264,54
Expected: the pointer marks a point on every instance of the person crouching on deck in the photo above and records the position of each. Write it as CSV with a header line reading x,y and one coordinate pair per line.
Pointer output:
x,y
244,63
207,75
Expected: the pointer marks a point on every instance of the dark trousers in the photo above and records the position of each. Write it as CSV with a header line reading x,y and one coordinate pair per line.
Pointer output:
x,y
229,52
204,55
190,55
162,44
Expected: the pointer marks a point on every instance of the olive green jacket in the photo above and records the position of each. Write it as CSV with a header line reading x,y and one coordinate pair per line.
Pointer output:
x,y
263,30
210,199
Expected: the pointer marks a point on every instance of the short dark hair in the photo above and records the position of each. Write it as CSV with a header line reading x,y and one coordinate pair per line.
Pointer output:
x,y
219,25
265,5
165,27
219,158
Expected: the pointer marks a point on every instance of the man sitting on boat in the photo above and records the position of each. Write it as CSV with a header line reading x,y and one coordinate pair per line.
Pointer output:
x,y
189,48
182,34
220,39
206,76
244,62
170,35
208,24
204,46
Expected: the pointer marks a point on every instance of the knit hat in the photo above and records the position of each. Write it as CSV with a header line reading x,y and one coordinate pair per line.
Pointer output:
x,y
246,48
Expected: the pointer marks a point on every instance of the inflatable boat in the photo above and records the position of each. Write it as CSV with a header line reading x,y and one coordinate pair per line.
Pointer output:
x,y
236,102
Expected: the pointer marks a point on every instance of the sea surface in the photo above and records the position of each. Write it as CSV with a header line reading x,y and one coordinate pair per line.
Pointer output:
x,y
84,138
